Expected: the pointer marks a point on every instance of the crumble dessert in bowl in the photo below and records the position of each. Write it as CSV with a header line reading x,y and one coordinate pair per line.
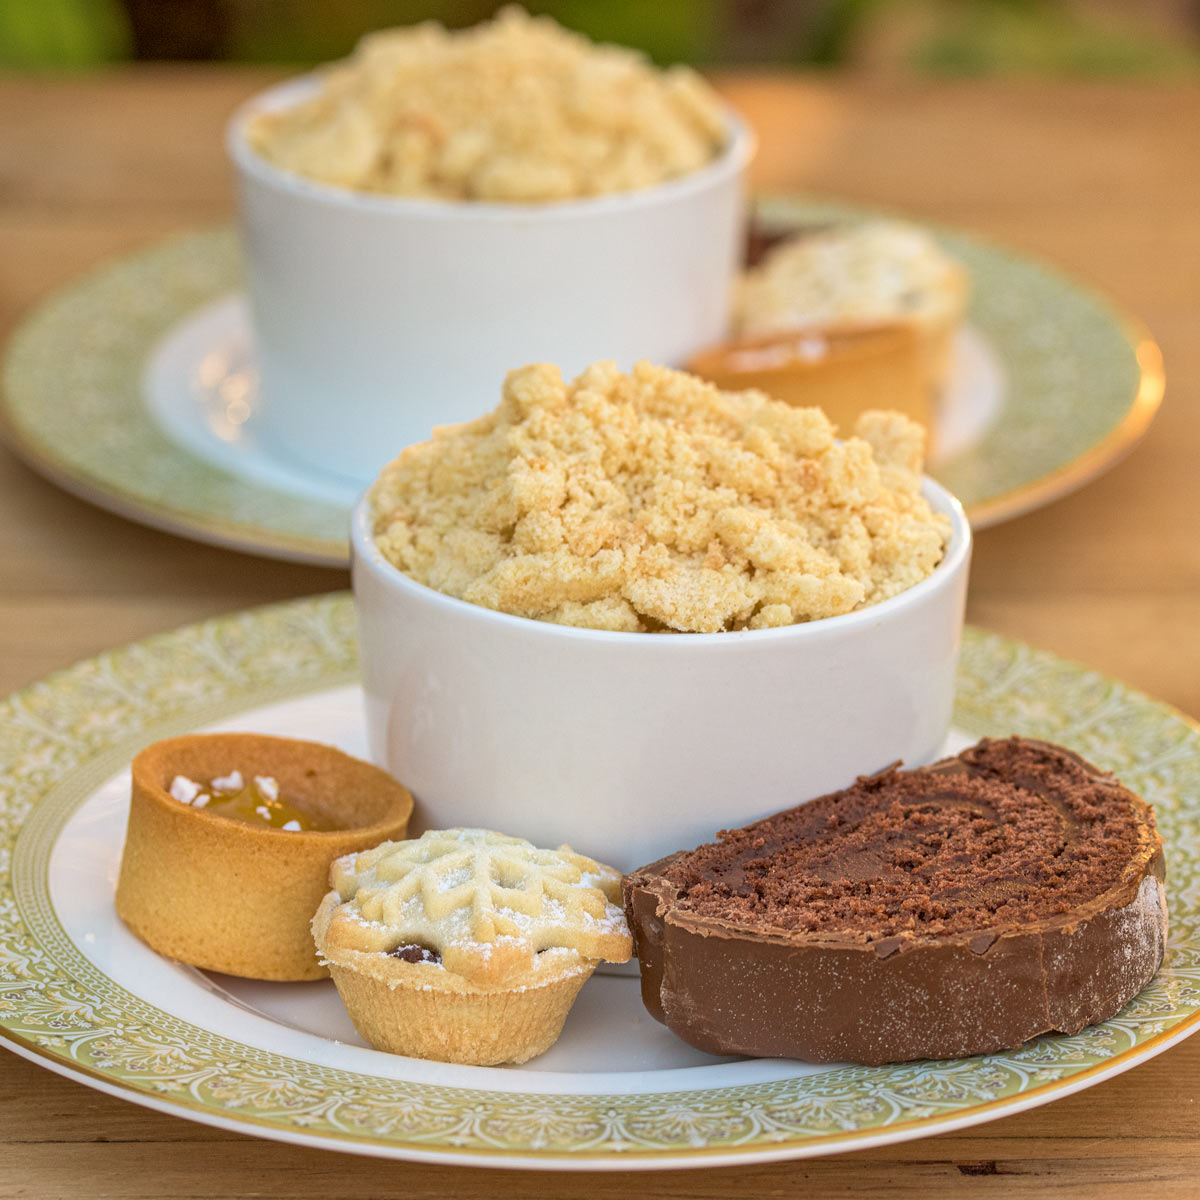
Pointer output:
x,y
229,842
467,946
512,184
634,605
516,110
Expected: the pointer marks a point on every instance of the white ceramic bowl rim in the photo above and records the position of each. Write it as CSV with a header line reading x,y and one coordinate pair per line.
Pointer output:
x,y
363,550
732,159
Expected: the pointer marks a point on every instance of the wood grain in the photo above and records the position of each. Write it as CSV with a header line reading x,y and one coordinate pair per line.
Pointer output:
x,y
1099,178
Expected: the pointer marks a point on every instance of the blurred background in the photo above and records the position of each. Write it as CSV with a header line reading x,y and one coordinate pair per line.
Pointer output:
x,y
1106,38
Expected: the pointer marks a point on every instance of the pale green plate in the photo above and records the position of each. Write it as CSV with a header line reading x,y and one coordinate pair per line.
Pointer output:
x,y
1079,382
75,997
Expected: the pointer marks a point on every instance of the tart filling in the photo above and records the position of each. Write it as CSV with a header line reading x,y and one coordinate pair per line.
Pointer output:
x,y
257,802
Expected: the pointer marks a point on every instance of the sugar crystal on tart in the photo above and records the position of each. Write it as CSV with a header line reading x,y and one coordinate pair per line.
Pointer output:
x,y
256,801
229,841
467,946
951,910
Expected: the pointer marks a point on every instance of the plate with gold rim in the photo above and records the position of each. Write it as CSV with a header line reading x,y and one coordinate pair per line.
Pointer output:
x,y
135,388
80,996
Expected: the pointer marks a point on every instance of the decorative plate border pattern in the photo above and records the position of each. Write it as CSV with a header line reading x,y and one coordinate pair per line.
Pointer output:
x,y
1083,385
73,407
61,738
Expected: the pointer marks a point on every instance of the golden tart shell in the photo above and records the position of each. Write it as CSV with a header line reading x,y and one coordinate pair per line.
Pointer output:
x,y
230,896
424,1011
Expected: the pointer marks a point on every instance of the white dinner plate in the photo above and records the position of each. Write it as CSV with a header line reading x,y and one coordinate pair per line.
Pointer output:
x,y
81,996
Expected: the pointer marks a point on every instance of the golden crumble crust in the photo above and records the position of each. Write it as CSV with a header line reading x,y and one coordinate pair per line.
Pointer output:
x,y
654,502
514,110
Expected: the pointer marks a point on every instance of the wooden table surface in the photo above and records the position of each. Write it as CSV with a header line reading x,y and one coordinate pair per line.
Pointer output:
x,y
1102,179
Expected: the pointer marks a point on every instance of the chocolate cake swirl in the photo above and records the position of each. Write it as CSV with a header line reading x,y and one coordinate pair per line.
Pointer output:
x,y
956,909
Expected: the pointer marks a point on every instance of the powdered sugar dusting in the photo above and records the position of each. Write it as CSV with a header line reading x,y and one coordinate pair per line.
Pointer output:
x,y
484,901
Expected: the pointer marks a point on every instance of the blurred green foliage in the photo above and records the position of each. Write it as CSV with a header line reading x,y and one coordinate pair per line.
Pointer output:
x,y
1075,37
1047,37
668,30
62,33
704,32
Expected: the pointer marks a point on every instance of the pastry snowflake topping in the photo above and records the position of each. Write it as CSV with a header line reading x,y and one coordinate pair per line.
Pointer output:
x,y
484,904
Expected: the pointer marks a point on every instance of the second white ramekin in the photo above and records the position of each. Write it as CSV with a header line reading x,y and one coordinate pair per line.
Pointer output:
x,y
378,317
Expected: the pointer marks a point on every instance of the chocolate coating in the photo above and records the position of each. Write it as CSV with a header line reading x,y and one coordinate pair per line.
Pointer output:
x,y
957,909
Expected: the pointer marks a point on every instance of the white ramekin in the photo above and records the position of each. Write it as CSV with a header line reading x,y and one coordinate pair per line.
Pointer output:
x,y
378,317
629,746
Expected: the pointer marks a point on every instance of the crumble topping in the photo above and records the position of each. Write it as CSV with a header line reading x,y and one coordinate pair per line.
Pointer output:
x,y
655,502
515,110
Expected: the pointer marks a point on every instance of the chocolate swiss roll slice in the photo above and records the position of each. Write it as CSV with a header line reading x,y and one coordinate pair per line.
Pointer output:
x,y
956,909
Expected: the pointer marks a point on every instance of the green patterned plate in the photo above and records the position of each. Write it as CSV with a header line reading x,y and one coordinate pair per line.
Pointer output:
x,y
81,996
134,388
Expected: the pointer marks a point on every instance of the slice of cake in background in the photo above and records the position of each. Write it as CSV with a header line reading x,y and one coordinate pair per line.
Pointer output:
x,y
845,317
844,368
876,271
